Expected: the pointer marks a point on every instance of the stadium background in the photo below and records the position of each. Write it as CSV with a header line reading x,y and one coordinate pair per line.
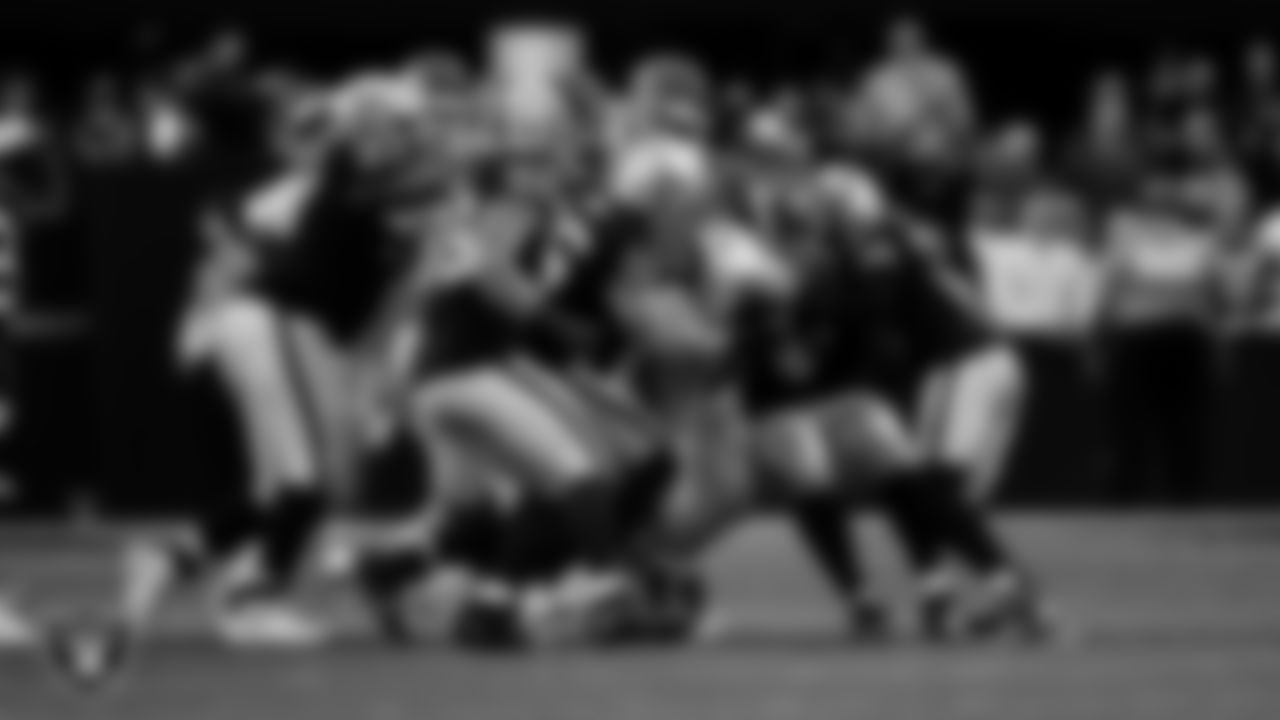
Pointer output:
x,y
76,442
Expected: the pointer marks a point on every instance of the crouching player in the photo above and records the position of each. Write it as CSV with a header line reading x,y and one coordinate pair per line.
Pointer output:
x,y
899,306
534,476
818,364
16,629
297,261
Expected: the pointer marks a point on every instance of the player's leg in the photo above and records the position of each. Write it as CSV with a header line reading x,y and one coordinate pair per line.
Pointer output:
x,y
625,437
870,442
800,457
969,416
260,359
227,518
492,417
398,472
879,456
710,490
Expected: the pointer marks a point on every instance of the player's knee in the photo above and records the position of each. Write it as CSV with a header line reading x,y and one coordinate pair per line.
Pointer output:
x,y
283,482
242,322
396,476
881,442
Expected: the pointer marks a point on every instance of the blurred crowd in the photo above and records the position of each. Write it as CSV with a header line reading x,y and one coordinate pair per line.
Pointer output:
x,y
1189,142
1150,226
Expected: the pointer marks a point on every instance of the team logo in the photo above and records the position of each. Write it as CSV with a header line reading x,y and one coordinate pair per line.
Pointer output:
x,y
89,657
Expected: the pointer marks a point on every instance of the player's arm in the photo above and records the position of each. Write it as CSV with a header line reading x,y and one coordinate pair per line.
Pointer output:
x,y
960,292
228,256
34,183
663,315
395,335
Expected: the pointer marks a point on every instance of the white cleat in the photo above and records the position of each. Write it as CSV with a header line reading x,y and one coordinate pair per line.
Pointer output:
x,y
16,631
270,626
711,627
150,576
582,591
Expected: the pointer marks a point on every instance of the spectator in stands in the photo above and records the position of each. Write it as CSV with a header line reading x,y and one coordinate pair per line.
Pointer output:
x,y
1259,99
1104,159
1182,88
1009,170
1205,175
1161,97
107,131
32,189
35,196
1258,119
1161,296
1040,280
167,129
1029,231
1256,278
915,88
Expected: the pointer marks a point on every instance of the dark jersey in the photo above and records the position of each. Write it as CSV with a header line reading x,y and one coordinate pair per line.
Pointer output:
x,y
339,261
467,327
477,311
891,319
231,114
781,341
584,329
627,246
943,197
778,352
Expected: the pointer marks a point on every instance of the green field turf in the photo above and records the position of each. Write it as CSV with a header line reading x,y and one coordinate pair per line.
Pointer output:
x,y
1171,619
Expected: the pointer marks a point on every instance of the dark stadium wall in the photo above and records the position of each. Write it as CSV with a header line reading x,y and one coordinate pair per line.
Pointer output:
x,y
1026,56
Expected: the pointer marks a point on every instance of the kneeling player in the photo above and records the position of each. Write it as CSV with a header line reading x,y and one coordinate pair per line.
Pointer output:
x,y
296,269
516,450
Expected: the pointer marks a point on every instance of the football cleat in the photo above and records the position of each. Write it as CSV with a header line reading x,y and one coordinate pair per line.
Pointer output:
x,y
1013,611
384,582
269,625
16,630
940,617
868,620
489,626
150,574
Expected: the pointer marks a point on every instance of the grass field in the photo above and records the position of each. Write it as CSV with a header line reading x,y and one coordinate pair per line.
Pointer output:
x,y
1172,618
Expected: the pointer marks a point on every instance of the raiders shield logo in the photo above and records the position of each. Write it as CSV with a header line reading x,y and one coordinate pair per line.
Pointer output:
x,y
89,657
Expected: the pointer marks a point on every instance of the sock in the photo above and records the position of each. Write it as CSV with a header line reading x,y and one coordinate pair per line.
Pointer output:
x,y
938,520
473,536
397,475
291,522
590,513
971,531
643,491
390,570
222,531
823,527
537,546
907,506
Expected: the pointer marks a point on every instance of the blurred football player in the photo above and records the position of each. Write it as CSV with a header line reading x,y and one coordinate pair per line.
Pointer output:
x,y
915,300
297,261
507,423
818,367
